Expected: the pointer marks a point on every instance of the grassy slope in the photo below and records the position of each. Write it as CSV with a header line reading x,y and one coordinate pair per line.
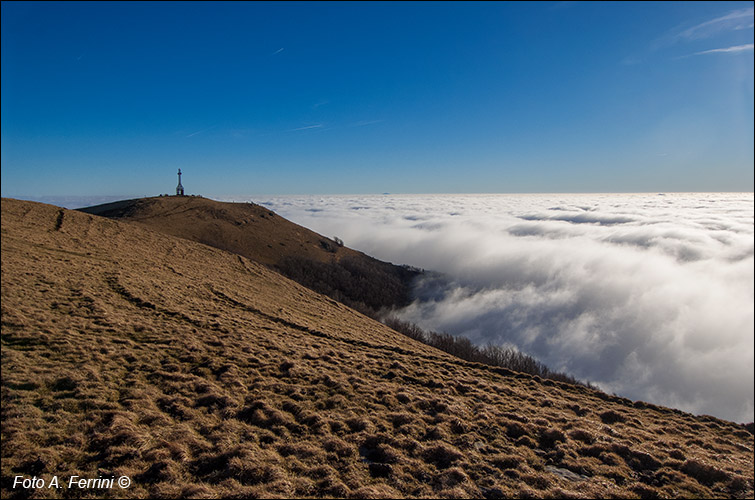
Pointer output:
x,y
243,228
198,372
259,234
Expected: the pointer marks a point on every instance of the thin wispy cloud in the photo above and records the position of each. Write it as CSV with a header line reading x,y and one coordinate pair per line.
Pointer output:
x,y
365,122
201,131
319,125
735,20
728,50
277,51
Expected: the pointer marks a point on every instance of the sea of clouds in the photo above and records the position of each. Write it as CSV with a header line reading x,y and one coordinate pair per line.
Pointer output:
x,y
648,296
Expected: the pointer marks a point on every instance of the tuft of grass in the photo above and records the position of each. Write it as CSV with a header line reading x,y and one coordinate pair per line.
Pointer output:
x,y
442,455
582,436
704,473
515,430
550,437
611,417
506,461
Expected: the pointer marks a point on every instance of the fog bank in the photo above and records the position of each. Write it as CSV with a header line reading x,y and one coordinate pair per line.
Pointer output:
x,y
649,296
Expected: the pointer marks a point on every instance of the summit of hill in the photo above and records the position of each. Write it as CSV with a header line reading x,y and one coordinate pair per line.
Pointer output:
x,y
246,229
198,372
321,263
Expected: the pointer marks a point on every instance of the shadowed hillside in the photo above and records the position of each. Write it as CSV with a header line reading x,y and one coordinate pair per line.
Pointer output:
x,y
200,373
319,263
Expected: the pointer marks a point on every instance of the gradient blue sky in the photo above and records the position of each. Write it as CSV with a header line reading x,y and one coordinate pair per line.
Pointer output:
x,y
110,99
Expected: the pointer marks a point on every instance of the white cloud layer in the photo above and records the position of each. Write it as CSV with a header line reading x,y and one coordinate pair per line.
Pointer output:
x,y
649,296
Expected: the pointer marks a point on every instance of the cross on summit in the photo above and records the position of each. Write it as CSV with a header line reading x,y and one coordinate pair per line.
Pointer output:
x,y
179,188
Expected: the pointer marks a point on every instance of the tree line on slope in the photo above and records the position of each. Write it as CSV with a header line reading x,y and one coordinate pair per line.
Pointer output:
x,y
365,284
493,355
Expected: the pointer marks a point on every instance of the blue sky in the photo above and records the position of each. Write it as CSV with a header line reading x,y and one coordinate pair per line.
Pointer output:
x,y
110,99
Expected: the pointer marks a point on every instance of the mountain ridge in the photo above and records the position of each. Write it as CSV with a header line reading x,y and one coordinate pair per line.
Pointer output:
x,y
321,263
199,372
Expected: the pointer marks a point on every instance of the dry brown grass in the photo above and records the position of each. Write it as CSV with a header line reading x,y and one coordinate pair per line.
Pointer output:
x,y
199,373
253,231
